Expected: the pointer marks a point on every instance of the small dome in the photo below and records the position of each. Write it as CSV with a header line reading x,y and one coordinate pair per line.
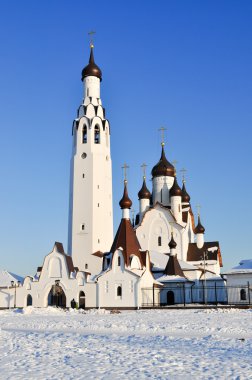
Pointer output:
x,y
144,192
125,202
172,244
91,69
163,167
175,191
199,229
185,196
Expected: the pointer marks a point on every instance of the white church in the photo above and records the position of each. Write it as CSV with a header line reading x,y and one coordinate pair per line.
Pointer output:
x,y
155,259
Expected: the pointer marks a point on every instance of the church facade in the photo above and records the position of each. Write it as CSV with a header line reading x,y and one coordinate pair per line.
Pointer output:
x,y
149,256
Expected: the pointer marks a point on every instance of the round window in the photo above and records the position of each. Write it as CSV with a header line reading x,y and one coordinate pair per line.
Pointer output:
x,y
84,155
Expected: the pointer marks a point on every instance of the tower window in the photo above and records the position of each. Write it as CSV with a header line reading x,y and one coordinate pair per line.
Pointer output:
x,y
83,227
97,134
83,175
84,135
243,295
98,204
159,241
86,266
98,240
119,261
119,291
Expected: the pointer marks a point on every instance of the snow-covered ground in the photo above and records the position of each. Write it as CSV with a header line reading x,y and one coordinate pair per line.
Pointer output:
x,y
156,344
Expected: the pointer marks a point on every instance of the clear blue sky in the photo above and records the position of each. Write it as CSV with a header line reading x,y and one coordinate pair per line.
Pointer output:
x,y
182,64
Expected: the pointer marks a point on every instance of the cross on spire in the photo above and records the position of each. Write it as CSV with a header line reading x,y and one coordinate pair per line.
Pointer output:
x,y
198,206
91,33
162,130
125,167
143,166
183,171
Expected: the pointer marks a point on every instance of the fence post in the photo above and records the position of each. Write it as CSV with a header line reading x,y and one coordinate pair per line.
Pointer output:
x,y
184,294
153,296
215,289
248,293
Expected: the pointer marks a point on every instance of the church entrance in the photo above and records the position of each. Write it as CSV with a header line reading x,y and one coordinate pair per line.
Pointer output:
x,y
56,296
82,302
170,298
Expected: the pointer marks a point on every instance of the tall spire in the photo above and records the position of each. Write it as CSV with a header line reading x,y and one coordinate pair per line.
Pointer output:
x,y
199,229
163,167
125,202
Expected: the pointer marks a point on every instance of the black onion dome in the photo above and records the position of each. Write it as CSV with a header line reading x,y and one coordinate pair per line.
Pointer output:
x,y
125,202
172,244
91,69
144,192
185,196
175,189
199,229
163,167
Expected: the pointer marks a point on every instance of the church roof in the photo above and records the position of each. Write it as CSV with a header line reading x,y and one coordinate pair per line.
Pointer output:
x,y
173,268
125,202
172,244
144,192
212,248
126,239
91,69
163,167
175,189
185,196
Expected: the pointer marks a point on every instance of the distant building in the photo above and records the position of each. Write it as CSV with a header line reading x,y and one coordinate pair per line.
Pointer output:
x,y
239,283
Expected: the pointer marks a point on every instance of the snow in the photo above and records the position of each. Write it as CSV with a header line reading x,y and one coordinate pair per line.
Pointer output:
x,y
6,278
158,344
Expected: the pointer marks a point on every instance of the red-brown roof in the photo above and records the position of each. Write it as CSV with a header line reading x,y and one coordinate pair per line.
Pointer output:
x,y
126,239
173,267
196,254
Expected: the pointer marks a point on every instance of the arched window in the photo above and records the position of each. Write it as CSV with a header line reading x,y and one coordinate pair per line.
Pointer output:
x,y
119,291
84,134
159,241
243,295
29,300
97,134
119,261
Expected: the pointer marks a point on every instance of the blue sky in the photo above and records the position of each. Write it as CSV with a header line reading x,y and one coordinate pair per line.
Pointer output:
x,y
185,65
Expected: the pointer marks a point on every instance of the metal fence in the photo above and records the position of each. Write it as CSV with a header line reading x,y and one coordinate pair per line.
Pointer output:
x,y
187,294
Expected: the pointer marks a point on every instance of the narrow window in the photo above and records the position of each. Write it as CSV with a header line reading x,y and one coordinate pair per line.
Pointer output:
x,y
97,134
84,134
159,241
86,266
119,261
243,295
83,227
119,291
29,300
98,240
83,175
98,204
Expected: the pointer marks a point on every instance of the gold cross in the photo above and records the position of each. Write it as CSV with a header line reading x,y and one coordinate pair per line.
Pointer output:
x,y
198,206
183,171
143,166
91,33
125,167
162,130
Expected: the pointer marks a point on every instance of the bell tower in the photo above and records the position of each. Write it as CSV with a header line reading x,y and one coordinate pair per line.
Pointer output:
x,y
90,226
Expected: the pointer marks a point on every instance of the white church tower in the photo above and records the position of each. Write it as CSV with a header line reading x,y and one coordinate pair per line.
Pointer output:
x,y
90,227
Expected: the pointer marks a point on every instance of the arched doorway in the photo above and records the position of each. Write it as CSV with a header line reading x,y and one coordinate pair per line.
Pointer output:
x,y
170,298
82,300
56,296
29,300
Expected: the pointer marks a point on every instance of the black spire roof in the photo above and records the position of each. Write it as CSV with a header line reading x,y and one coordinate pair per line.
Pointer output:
x,y
199,229
172,244
175,189
125,202
185,196
163,167
144,193
91,69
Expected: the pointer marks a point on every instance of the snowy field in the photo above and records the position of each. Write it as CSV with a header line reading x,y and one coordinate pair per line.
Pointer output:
x,y
156,344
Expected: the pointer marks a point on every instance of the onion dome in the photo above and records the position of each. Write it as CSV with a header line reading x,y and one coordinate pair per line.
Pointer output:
x,y
125,202
199,229
172,244
144,192
175,190
91,69
185,196
163,167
